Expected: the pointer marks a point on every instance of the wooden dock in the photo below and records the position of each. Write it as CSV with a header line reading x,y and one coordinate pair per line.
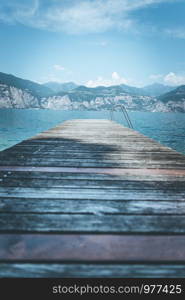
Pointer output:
x,y
91,198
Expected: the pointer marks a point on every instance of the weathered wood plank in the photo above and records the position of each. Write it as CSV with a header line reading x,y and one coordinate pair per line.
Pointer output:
x,y
98,155
93,163
70,146
94,207
145,175
88,270
91,194
81,183
91,223
118,146
114,248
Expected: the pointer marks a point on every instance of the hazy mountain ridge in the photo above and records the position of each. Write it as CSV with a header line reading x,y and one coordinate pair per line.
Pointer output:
x,y
36,89
177,94
153,90
18,93
57,87
157,89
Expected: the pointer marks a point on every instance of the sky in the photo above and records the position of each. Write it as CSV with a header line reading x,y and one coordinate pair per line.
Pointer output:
x,y
94,42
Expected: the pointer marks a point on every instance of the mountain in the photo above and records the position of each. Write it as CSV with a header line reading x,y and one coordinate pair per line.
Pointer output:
x,y
60,87
157,89
133,90
100,97
175,95
88,93
33,88
12,97
19,93
174,99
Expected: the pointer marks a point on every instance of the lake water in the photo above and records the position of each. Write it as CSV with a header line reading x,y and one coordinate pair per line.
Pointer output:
x,y
18,124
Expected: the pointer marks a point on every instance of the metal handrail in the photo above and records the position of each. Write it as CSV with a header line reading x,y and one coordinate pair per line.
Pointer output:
x,y
125,113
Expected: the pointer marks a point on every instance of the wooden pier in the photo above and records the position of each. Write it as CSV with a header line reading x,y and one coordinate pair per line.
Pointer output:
x,y
91,198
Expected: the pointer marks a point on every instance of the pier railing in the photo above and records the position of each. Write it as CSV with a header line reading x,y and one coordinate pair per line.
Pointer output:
x,y
125,114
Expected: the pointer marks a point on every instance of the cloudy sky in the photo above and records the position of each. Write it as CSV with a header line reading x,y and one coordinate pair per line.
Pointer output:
x,y
94,42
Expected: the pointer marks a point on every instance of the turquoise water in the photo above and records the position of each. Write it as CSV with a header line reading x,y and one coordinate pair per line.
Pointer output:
x,y
18,124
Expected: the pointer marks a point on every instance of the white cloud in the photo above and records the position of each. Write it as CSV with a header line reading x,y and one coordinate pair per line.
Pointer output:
x,y
115,79
18,10
74,16
174,79
171,78
58,68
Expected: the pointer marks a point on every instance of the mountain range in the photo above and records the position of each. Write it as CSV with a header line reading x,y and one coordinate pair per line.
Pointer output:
x,y
157,89
20,93
57,87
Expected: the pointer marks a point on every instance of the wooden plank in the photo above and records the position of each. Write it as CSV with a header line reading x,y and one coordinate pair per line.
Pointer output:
x,y
91,194
58,145
70,161
94,248
98,155
108,174
63,153
81,183
93,163
91,223
138,207
118,146
60,270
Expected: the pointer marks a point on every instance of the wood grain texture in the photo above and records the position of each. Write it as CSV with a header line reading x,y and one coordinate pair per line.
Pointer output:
x,y
62,223
96,184
166,175
30,270
92,247
91,193
96,207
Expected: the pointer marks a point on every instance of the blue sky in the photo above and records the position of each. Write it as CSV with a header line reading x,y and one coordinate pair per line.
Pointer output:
x,y
94,42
